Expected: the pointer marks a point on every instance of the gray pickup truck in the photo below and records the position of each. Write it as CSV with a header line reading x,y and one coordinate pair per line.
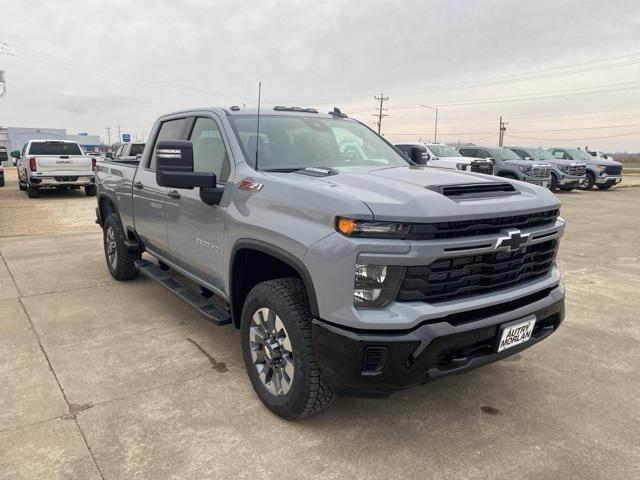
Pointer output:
x,y
565,174
346,275
601,172
510,165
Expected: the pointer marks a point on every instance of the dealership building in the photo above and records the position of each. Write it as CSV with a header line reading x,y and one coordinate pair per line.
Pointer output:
x,y
15,137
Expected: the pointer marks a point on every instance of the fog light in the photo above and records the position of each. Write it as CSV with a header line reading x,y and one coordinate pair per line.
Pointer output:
x,y
375,359
376,285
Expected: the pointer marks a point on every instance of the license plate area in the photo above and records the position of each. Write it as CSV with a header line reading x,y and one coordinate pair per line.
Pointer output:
x,y
515,333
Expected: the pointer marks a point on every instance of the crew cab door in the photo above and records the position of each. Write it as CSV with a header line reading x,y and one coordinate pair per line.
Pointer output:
x,y
195,229
150,201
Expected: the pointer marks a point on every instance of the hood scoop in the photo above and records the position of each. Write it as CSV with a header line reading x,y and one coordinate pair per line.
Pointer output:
x,y
476,190
317,172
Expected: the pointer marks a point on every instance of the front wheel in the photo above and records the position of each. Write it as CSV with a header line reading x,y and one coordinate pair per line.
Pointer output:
x,y
278,352
553,186
119,261
589,181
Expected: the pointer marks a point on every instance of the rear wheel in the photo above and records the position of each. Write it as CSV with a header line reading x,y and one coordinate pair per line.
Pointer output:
x,y
119,261
278,352
32,191
589,181
90,190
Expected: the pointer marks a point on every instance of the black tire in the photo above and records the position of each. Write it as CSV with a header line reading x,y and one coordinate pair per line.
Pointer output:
x,y
90,190
21,186
308,393
566,189
32,192
604,187
2,182
121,267
589,182
553,186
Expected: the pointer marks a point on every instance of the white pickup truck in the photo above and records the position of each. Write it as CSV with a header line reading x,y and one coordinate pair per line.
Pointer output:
x,y
55,164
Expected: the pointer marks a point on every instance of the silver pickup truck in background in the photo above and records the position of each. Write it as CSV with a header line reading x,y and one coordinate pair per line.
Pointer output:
x,y
350,271
55,164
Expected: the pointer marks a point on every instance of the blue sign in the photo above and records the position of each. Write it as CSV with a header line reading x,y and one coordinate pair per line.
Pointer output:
x,y
126,137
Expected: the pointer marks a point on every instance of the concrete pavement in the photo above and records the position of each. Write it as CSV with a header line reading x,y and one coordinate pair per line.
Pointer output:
x,y
100,379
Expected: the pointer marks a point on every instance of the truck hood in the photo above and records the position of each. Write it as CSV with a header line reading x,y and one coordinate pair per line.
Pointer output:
x,y
411,193
601,161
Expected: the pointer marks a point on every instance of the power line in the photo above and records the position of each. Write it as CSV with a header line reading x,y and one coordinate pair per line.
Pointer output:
x,y
576,139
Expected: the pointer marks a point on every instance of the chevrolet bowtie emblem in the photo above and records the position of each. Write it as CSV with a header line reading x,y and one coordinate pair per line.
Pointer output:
x,y
512,240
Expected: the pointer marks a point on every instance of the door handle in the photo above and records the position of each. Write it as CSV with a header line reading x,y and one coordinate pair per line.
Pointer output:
x,y
174,194
138,185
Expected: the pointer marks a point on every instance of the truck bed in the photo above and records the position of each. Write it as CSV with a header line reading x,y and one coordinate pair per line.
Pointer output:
x,y
116,179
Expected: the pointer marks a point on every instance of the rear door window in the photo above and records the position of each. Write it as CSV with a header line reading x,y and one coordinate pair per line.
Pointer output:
x,y
136,149
54,148
169,130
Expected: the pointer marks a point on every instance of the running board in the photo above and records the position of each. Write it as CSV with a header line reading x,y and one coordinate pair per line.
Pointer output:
x,y
211,311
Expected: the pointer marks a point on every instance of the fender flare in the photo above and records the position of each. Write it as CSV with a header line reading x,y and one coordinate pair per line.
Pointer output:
x,y
294,262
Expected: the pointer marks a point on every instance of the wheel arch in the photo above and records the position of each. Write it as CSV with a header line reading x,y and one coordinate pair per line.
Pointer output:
x,y
283,262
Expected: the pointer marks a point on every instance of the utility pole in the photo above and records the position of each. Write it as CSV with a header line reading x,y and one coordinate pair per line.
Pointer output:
x,y
380,115
435,132
501,131
120,134
109,136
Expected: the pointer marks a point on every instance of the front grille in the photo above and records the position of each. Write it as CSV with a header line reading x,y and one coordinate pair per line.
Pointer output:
x,y
539,171
483,226
66,179
577,170
481,167
457,277
613,169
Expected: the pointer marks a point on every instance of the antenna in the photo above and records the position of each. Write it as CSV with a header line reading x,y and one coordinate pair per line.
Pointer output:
x,y
258,123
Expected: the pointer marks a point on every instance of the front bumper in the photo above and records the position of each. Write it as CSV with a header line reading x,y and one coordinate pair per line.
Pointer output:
x,y
542,182
569,181
62,181
434,349
608,180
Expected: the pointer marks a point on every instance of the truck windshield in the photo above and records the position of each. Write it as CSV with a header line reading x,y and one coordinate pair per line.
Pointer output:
x,y
290,142
54,148
504,154
443,151
577,153
541,154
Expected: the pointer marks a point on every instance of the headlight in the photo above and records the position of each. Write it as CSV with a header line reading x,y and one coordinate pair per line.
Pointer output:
x,y
524,169
461,166
602,168
376,286
369,229
564,168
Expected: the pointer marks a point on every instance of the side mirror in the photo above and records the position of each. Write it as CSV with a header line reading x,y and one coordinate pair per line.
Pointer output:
x,y
15,154
174,169
415,154
529,158
109,155
490,159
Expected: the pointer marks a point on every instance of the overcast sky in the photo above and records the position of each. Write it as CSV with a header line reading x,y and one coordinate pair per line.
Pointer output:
x,y
87,65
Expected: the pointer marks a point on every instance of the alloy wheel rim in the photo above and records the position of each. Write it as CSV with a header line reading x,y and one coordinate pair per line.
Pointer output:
x,y
112,249
271,351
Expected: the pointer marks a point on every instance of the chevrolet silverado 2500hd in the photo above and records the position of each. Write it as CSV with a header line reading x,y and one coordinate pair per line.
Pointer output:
x,y
55,164
346,275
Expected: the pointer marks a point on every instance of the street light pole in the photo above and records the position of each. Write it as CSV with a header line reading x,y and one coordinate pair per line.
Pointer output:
x,y
435,132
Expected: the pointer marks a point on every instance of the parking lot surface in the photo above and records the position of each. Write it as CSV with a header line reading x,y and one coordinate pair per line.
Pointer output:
x,y
100,379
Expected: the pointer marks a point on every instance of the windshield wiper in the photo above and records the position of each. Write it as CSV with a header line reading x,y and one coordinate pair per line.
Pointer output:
x,y
283,170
